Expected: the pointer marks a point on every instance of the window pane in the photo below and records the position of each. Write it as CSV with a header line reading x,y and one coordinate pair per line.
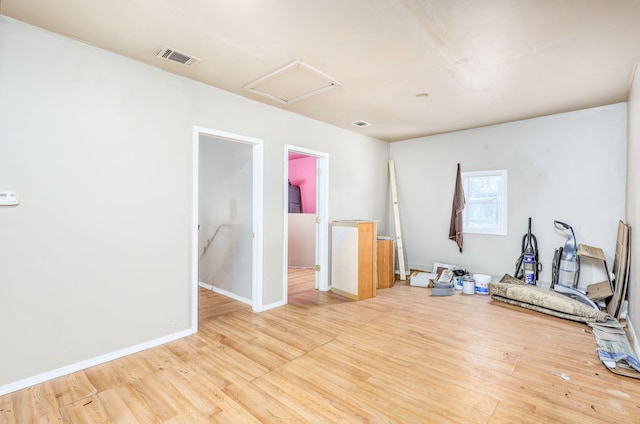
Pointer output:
x,y
485,196
483,215
484,189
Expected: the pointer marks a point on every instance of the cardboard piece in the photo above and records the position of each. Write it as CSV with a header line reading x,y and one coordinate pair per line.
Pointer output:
x,y
626,274
422,279
445,276
599,291
438,267
591,252
620,269
614,349
597,254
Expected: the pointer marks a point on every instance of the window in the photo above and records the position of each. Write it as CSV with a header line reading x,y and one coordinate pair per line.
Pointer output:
x,y
485,210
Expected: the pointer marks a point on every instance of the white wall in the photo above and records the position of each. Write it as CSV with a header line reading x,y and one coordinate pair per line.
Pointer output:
x,y
302,240
97,257
569,167
633,201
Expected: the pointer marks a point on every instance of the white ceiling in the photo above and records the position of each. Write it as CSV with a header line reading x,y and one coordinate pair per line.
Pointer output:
x,y
481,62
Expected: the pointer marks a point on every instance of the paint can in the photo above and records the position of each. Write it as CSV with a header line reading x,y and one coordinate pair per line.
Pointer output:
x,y
482,283
468,285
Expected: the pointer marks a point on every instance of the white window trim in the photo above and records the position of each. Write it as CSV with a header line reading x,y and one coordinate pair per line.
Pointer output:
x,y
502,230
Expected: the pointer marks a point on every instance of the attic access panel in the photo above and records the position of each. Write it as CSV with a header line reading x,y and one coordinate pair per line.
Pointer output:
x,y
292,83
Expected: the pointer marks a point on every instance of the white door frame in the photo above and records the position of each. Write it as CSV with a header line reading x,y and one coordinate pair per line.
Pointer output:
x,y
322,212
257,265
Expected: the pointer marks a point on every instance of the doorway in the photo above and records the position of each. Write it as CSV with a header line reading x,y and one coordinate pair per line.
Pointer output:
x,y
227,217
306,226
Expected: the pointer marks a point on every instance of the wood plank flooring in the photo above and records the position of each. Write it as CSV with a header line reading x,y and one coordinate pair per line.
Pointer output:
x,y
211,305
401,357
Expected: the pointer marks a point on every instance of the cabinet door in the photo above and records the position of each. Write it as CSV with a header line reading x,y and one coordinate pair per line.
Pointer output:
x,y
386,262
353,259
367,254
344,260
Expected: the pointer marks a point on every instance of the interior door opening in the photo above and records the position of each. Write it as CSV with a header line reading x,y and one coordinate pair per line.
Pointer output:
x,y
227,217
305,219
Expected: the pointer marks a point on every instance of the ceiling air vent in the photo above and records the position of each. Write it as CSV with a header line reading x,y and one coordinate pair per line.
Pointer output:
x,y
361,124
169,53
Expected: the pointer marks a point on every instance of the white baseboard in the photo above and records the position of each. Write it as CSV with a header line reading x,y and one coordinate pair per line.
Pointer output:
x,y
241,299
272,306
226,293
205,285
78,366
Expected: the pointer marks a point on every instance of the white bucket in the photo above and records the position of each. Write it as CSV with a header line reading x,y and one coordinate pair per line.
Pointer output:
x,y
482,283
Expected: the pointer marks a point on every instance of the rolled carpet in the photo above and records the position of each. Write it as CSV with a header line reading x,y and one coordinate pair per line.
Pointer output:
x,y
516,292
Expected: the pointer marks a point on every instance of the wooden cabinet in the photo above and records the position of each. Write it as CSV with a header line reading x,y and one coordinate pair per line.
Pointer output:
x,y
354,259
386,262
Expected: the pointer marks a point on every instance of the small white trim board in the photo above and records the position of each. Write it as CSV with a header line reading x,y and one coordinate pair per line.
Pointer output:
x,y
396,216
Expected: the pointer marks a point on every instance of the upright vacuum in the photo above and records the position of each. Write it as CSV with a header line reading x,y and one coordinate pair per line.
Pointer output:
x,y
566,268
527,266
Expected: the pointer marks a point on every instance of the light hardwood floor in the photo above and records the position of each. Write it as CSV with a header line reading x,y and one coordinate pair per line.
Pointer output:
x,y
401,357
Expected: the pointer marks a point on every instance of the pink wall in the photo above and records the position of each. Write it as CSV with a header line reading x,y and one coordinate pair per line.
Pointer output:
x,y
302,172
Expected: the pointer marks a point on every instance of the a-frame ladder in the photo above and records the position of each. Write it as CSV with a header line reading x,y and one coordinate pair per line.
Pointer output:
x,y
396,217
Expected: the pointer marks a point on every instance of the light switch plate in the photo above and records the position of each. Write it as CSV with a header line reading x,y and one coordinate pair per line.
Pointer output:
x,y
8,198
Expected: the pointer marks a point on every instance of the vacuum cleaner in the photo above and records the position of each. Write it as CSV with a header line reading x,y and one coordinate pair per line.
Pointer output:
x,y
528,267
566,268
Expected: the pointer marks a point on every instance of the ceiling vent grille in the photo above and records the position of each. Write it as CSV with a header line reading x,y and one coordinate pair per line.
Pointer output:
x,y
173,55
361,124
